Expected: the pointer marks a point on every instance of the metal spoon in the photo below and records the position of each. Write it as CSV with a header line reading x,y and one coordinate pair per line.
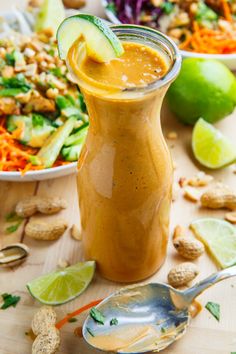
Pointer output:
x,y
145,318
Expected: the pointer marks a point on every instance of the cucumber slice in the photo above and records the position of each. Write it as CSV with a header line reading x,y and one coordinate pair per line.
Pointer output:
x,y
51,14
102,44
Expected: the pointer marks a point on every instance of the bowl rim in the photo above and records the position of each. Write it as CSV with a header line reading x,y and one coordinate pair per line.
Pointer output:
x,y
114,19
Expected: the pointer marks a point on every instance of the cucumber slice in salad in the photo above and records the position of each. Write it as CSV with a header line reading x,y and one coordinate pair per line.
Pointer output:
x,y
102,44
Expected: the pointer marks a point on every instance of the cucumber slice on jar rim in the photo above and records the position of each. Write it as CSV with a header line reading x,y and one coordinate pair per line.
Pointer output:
x,y
102,44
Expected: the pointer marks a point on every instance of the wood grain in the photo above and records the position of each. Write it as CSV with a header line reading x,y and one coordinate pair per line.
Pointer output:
x,y
205,335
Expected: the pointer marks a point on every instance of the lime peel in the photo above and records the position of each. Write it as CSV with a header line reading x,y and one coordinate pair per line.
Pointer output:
x,y
219,237
102,44
63,285
210,147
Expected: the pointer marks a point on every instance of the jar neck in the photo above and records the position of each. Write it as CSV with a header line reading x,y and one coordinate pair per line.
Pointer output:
x,y
117,117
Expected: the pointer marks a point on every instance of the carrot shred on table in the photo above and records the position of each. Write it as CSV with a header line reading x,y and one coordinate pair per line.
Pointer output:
x,y
77,312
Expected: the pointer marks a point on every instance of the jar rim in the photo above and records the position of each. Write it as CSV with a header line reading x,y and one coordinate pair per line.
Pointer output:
x,y
159,39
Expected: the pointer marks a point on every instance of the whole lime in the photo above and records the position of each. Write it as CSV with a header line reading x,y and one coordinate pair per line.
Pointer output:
x,y
204,88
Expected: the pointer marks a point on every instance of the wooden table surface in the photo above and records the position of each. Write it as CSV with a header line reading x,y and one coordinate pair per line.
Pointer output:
x,y
205,335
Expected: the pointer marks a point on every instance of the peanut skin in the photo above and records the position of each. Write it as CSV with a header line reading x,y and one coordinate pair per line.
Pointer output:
x,y
43,318
182,274
47,342
44,205
47,231
188,247
219,197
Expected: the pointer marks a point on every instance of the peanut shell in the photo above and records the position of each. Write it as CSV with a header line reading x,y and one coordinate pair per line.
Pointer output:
x,y
182,274
45,317
47,342
188,247
48,231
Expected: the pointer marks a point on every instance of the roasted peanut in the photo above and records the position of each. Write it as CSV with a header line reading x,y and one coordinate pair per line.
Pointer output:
x,y
75,233
231,217
45,317
45,205
172,135
182,274
188,247
47,231
47,342
191,194
219,196
200,180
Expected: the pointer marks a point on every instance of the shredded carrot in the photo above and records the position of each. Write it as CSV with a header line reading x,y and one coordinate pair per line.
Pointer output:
x,y
15,156
226,10
211,41
77,312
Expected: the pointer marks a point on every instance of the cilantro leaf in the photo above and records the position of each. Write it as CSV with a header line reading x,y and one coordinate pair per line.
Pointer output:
x,y
163,330
113,322
167,7
97,315
90,332
12,228
214,309
12,216
9,300
73,319
10,58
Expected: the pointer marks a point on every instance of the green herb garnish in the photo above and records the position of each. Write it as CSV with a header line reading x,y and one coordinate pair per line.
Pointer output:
x,y
97,315
10,58
12,228
90,332
73,319
12,216
167,7
113,322
111,7
9,300
163,330
214,309
56,72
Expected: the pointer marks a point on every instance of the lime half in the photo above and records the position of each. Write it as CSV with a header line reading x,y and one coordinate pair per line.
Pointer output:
x,y
51,14
219,237
102,44
210,147
62,285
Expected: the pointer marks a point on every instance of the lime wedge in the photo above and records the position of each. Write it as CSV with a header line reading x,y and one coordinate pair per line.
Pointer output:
x,y
51,14
102,44
219,237
210,147
63,285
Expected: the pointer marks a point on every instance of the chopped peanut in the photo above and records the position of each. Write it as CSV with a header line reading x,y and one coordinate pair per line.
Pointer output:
x,y
183,182
172,135
231,217
200,180
191,194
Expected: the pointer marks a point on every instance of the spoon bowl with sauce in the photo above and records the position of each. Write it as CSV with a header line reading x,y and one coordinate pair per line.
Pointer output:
x,y
145,318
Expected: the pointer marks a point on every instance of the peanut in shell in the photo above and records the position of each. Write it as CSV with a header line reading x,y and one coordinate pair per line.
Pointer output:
x,y
47,231
182,274
188,247
45,317
47,342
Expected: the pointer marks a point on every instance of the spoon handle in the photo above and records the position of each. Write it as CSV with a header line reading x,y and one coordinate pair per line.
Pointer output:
x,y
191,293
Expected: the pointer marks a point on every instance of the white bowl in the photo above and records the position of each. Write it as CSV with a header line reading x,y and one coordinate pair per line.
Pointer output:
x,y
39,175
228,59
